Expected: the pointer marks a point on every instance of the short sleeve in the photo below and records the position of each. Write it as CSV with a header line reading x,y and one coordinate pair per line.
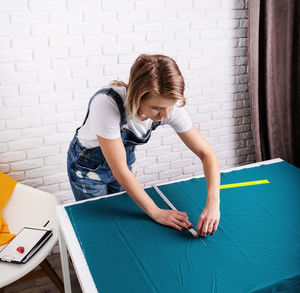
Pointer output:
x,y
179,120
104,117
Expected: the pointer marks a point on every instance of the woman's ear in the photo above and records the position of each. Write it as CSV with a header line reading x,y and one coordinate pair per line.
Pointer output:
x,y
139,112
141,115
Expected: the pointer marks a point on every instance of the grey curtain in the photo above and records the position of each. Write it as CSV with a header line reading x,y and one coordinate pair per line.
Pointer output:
x,y
274,78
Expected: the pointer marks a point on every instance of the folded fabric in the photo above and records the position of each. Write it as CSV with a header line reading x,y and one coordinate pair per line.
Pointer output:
x,y
7,186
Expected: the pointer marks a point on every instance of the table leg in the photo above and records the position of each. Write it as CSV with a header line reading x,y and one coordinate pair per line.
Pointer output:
x,y
64,263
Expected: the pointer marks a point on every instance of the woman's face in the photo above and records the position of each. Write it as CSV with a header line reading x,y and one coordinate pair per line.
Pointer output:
x,y
155,108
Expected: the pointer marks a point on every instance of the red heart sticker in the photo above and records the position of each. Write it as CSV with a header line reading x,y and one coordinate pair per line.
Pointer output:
x,y
20,249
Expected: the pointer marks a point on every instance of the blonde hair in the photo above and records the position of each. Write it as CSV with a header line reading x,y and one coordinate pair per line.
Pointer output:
x,y
152,75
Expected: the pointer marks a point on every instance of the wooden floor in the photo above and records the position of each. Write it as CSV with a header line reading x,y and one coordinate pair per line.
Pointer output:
x,y
44,285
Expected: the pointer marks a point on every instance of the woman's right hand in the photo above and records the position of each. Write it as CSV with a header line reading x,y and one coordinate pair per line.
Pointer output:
x,y
175,219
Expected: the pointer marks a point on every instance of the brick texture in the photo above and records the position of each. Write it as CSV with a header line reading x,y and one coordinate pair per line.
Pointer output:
x,y
55,54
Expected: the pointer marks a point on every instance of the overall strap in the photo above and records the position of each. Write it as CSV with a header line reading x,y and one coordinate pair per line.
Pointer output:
x,y
155,125
116,97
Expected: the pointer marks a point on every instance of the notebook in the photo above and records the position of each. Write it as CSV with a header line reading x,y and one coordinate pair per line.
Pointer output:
x,y
25,244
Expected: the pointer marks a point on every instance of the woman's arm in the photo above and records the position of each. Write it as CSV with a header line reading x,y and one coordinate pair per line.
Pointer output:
x,y
115,155
210,216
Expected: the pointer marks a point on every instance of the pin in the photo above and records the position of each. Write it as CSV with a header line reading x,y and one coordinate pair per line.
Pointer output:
x,y
20,249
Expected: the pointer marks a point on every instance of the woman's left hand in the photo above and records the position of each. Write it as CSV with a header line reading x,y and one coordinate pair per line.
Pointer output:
x,y
209,219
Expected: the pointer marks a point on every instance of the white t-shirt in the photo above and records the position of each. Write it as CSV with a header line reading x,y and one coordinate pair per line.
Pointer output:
x,y
104,120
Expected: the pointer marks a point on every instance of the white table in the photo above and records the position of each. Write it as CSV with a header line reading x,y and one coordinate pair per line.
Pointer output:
x,y
68,240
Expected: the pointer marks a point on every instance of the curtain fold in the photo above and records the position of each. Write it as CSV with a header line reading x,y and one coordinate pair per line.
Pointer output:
x,y
274,72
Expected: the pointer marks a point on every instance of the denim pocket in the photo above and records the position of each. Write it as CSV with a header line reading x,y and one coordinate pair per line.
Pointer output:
x,y
90,161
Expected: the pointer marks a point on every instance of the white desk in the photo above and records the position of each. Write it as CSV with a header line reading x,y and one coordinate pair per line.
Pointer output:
x,y
68,240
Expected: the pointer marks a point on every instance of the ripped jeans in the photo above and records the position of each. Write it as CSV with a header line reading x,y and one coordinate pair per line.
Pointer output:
x,y
89,173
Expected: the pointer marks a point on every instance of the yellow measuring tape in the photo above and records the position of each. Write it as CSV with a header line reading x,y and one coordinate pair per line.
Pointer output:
x,y
225,186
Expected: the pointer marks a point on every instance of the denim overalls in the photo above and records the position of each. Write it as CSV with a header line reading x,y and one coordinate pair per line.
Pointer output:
x,y
88,171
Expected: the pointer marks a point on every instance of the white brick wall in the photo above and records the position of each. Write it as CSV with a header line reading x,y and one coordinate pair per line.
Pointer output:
x,y
54,54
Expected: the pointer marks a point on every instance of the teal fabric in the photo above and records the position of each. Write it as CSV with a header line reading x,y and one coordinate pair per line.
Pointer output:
x,y
256,248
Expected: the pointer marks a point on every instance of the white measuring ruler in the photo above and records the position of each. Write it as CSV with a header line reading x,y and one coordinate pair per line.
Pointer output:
x,y
191,230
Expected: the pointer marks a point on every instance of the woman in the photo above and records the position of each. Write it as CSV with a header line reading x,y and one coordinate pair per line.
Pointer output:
x,y
122,116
